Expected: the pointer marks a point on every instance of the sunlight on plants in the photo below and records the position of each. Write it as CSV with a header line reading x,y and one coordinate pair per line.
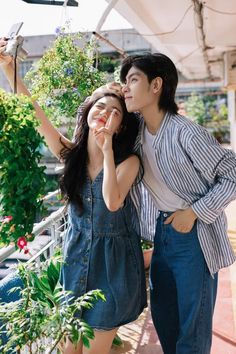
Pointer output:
x,y
64,77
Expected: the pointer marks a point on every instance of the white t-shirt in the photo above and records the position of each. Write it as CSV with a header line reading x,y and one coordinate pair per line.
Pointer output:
x,y
164,199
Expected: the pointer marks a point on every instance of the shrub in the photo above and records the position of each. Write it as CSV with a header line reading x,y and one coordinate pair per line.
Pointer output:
x,y
21,179
42,318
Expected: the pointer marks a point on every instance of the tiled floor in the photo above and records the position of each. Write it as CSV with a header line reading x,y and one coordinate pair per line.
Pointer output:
x,y
139,337
224,329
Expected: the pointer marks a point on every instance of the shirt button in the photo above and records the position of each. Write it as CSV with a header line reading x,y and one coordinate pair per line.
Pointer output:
x,y
165,215
88,199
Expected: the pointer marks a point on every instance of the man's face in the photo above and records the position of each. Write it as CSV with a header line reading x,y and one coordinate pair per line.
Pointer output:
x,y
137,91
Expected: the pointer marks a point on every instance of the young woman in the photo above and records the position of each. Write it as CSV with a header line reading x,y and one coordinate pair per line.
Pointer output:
x,y
102,249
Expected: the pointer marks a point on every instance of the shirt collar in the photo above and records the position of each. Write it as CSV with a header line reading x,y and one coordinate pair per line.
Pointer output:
x,y
160,131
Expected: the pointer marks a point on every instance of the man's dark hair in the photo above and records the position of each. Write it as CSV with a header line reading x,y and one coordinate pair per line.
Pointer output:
x,y
155,65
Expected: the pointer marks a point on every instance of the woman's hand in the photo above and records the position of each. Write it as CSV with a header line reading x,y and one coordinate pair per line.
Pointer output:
x,y
104,134
103,138
4,59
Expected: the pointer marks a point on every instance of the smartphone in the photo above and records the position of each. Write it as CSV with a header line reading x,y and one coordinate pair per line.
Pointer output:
x,y
14,30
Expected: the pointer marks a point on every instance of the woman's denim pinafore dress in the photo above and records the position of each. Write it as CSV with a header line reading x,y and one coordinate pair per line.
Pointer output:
x,y
103,251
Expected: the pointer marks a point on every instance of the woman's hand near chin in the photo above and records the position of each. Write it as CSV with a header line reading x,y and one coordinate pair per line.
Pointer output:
x,y
103,138
104,134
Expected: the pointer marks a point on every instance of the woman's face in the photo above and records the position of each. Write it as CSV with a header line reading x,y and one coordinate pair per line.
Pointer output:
x,y
100,114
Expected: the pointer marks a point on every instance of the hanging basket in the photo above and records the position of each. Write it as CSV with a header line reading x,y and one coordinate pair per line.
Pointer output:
x,y
64,77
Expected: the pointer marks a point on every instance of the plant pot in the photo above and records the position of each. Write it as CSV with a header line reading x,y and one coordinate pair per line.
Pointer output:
x,y
147,256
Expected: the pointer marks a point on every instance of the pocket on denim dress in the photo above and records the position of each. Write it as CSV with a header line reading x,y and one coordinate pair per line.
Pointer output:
x,y
71,250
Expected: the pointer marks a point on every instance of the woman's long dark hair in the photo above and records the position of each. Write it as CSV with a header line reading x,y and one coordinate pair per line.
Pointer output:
x,y
76,159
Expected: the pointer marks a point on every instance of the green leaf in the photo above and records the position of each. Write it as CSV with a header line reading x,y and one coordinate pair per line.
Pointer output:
x,y
85,341
117,341
53,275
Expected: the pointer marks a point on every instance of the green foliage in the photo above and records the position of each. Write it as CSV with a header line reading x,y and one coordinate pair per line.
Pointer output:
x,y
107,64
210,113
195,109
117,74
117,342
21,179
64,77
146,245
52,183
45,311
218,124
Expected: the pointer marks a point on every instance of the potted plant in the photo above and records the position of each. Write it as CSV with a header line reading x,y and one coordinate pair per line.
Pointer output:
x,y
147,247
43,317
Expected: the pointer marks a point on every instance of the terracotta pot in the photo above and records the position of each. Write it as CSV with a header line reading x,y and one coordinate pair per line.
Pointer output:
x,y
147,256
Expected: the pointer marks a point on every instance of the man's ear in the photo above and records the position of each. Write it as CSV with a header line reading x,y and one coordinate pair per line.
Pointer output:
x,y
157,84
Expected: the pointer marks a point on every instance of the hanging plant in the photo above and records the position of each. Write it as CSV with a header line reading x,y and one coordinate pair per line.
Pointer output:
x,y
21,179
64,77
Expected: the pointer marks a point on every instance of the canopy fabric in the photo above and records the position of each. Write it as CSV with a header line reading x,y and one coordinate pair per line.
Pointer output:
x,y
195,34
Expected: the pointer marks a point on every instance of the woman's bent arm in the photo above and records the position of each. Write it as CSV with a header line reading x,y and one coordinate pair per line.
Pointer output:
x,y
118,181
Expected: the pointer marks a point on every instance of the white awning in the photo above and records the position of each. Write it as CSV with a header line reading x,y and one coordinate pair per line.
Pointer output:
x,y
195,34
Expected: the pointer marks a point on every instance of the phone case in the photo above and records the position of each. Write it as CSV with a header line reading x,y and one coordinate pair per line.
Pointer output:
x,y
14,30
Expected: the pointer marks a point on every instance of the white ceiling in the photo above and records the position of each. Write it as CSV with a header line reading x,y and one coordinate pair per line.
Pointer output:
x,y
195,42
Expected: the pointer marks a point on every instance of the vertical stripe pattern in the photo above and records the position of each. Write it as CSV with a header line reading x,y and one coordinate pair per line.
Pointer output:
x,y
199,170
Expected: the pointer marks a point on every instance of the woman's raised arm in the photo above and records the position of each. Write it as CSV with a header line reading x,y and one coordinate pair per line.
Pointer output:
x,y
53,137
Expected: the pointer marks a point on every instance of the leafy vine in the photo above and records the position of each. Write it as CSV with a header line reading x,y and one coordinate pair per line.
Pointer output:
x,y
21,179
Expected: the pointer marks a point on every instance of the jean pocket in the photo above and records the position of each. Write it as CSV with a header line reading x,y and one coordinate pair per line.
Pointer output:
x,y
191,232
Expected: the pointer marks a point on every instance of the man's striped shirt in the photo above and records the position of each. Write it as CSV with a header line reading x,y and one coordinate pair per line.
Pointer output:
x,y
195,167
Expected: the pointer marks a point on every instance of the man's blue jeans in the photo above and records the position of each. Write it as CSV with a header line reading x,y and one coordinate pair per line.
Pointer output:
x,y
182,291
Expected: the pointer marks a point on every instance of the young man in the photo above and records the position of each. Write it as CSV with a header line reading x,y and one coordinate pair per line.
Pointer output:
x,y
188,181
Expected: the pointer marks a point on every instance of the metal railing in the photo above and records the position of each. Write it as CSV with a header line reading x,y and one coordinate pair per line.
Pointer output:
x,y
55,225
